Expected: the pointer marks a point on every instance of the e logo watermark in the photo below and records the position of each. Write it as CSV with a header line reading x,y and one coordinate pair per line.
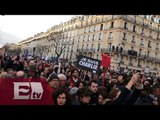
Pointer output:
x,y
28,90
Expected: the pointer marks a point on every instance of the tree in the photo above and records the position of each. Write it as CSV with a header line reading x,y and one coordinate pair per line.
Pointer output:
x,y
12,49
39,49
58,42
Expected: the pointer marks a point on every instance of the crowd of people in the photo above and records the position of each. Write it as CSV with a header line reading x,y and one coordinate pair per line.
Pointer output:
x,y
69,85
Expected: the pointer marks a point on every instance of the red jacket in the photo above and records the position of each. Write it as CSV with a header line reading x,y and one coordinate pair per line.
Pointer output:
x,y
74,84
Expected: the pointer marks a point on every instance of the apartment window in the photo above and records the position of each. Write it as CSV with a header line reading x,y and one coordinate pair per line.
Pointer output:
x,y
139,63
140,52
110,35
157,44
141,43
87,47
83,38
79,38
150,34
72,49
68,49
142,32
101,27
112,23
148,54
100,36
131,61
134,28
132,48
149,44
88,37
125,25
98,47
97,56
89,29
109,46
124,36
92,46
133,39
77,46
122,59
155,55
82,47
157,36
94,28
93,38
85,30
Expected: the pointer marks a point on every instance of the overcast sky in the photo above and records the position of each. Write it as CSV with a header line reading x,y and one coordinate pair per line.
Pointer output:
x,y
24,26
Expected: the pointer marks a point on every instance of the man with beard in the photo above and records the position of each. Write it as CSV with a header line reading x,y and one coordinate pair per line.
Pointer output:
x,y
74,79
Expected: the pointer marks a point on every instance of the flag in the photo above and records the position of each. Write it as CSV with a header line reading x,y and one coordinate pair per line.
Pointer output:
x,y
106,60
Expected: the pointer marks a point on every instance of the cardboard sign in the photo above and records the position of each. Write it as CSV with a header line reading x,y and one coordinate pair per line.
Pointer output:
x,y
88,63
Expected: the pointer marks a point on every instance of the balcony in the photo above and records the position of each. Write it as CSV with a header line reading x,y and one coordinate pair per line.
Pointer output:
x,y
138,22
134,31
126,28
125,39
142,44
156,60
133,41
124,52
110,38
111,27
158,38
149,59
150,37
105,50
157,48
131,64
121,62
91,50
140,55
154,68
132,53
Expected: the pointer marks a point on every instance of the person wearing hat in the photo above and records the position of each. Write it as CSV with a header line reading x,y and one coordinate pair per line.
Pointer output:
x,y
53,82
32,72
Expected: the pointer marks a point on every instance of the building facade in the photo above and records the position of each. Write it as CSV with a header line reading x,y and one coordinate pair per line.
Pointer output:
x,y
133,41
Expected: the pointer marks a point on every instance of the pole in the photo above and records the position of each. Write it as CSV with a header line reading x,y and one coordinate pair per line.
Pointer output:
x,y
104,73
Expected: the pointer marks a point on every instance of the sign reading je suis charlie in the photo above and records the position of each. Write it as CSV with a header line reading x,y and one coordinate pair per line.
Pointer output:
x,y
88,63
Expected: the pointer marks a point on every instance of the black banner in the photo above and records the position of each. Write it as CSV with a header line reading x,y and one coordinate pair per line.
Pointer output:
x,y
89,64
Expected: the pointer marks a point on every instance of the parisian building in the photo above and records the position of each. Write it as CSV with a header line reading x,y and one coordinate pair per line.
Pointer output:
x,y
132,41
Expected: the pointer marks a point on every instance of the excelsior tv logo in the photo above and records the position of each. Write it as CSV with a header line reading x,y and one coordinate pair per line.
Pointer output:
x,y
27,90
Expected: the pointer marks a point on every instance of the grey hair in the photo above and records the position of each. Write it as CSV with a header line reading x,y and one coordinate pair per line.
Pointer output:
x,y
62,75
